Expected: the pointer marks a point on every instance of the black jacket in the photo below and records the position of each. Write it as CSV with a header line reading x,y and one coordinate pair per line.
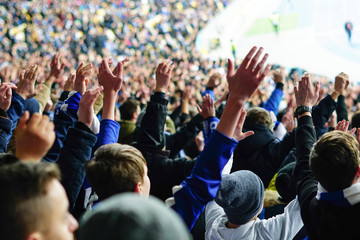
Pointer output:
x,y
321,219
164,172
262,153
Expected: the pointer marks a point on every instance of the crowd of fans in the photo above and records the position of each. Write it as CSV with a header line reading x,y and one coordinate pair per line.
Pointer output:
x,y
106,105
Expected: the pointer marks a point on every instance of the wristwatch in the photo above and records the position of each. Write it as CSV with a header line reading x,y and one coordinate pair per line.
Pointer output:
x,y
302,109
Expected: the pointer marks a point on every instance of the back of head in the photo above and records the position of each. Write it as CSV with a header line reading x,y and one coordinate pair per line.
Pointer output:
x,y
128,108
355,120
24,203
115,168
334,160
241,195
259,115
129,216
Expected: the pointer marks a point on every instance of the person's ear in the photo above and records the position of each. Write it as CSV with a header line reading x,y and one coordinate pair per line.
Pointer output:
x,y
35,236
138,188
358,172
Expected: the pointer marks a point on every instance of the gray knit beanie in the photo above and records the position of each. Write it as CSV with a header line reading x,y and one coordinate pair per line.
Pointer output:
x,y
129,216
241,195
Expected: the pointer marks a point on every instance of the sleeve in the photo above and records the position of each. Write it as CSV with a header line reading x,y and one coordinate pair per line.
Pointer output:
x,y
5,127
212,212
322,112
175,142
202,185
341,109
109,132
278,150
43,96
15,111
65,117
273,103
305,181
75,153
210,125
150,135
289,222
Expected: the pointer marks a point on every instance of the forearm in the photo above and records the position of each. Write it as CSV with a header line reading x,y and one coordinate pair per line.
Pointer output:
x,y
230,117
72,158
109,105
151,132
341,109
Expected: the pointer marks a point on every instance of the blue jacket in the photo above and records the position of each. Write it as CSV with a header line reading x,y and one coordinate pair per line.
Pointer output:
x,y
203,183
65,117
5,128
15,111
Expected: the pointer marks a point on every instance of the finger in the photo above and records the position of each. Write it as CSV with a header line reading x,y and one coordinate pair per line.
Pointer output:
x,y
261,64
170,68
35,72
8,93
120,69
247,134
23,120
264,73
346,125
255,59
248,57
50,127
242,117
352,131
43,122
198,108
230,68
79,68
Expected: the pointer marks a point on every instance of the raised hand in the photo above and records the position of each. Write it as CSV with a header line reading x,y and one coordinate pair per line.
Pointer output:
x,y
5,95
70,82
163,74
238,134
111,80
86,105
188,92
56,66
305,93
278,76
242,84
245,80
208,109
26,86
34,137
341,83
343,126
81,81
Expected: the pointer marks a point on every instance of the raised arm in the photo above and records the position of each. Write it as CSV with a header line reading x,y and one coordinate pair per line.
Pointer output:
x,y
151,132
5,123
111,81
201,187
306,96
78,146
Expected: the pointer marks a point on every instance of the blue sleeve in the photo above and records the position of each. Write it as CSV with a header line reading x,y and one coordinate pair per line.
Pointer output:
x,y
204,181
15,111
109,132
210,125
65,117
73,156
5,127
210,92
273,103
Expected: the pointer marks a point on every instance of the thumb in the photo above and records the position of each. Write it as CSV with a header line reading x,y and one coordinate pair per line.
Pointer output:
x,y
230,68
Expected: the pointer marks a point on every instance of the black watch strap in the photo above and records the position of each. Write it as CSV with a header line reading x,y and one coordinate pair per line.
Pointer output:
x,y
302,109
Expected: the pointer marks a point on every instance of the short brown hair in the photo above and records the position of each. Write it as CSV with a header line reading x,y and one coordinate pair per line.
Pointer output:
x,y
259,116
334,160
115,168
24,206
128,108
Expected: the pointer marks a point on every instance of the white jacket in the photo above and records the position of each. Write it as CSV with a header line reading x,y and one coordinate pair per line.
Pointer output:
x,y
282,226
